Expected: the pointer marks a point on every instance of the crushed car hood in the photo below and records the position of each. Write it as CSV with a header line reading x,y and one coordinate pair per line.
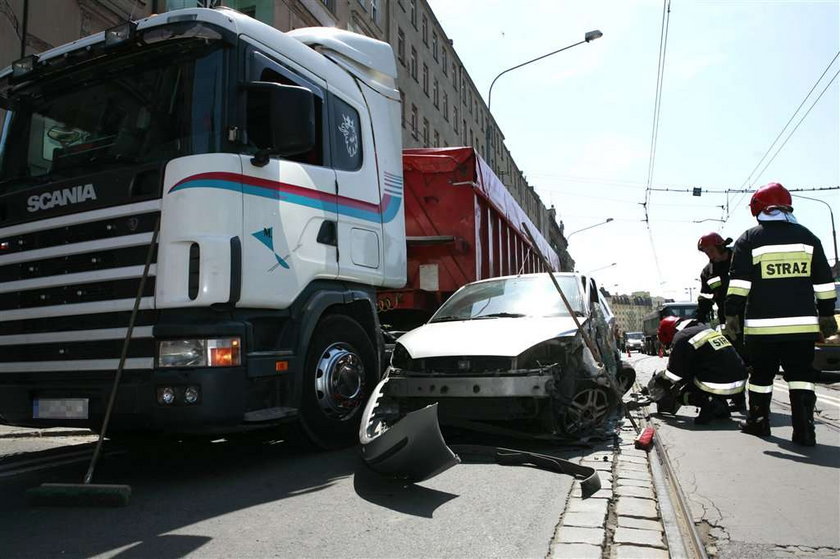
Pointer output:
x,y
490,336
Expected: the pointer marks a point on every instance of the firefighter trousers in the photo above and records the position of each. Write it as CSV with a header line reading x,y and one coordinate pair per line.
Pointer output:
x,y
795,357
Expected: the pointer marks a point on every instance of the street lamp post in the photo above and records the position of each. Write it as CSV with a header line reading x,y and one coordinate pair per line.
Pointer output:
x,y
590,227
588,37
833,231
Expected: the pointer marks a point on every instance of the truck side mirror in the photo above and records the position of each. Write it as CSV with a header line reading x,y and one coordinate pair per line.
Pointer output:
x,y
280,119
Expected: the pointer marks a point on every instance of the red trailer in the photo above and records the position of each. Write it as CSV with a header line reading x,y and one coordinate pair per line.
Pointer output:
x,y
461,225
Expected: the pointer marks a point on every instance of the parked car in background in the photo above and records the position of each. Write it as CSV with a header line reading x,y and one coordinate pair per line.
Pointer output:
x,y
827,354
635,341
508,350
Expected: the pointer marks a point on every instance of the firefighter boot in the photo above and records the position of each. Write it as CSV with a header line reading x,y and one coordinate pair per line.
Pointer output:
x,y
711,407
758,415
738,402
802,416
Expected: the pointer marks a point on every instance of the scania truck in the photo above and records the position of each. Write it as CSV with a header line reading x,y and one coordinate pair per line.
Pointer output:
x,y
268,167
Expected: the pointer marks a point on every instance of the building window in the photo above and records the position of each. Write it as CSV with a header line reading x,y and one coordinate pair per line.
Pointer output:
x,y
454,76
435,93
472,137
412,10
425,79
402,107
424,30
437,139
401,46
414,121
444,62
455,119
464,131
362,4
445,109
463,88
482,121
374,11
470,104
434,46
425,132
413,63
330,4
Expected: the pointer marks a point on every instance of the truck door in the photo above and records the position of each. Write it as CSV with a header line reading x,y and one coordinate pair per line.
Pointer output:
x,y
359,209
290,210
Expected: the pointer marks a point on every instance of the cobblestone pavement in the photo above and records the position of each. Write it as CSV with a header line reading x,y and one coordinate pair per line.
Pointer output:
x,y
622,520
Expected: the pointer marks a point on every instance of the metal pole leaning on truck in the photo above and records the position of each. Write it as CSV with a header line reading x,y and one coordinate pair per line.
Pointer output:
x,y
592,347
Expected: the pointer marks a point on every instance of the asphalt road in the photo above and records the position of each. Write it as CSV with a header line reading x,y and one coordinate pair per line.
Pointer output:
x,y
757,497
267,499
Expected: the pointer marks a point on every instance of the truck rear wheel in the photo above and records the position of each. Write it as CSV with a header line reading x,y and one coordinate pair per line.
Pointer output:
x,y
339,373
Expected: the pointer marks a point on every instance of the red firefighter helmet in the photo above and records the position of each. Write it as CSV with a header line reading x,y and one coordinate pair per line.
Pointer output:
x,y
712,239
771,196
667,329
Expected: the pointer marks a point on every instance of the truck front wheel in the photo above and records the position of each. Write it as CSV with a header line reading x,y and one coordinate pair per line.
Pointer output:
x,y
339,373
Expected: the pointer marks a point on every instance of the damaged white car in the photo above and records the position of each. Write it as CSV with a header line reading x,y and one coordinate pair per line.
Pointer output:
x,y
510,352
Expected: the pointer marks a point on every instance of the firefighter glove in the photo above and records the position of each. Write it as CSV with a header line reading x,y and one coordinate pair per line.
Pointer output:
x,y
828,326
733,327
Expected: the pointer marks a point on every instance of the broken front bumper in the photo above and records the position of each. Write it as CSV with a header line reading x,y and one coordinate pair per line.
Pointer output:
x,y
411,447
469,387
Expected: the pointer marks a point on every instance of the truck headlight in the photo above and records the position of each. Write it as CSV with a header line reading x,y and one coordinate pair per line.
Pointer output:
x,y
200,352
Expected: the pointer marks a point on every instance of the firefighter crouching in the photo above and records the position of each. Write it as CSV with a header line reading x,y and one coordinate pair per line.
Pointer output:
x,y
703,370
778,271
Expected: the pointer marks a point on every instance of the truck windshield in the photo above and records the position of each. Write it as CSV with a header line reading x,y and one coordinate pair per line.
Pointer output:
x,y
511,298
145,106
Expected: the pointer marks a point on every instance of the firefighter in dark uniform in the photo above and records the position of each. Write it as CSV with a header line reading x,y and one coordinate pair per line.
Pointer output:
x,y
703,366
714,281
780,280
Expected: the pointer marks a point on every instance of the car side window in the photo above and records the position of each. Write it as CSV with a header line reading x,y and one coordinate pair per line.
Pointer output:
x,y
345,135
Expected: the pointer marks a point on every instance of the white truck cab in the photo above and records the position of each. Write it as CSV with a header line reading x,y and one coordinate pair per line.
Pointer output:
x,y
270,165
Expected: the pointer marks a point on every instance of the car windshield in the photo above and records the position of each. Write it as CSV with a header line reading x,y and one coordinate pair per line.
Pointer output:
x,y
514,297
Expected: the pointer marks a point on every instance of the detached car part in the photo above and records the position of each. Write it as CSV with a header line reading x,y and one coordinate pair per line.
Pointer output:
x,y
412,448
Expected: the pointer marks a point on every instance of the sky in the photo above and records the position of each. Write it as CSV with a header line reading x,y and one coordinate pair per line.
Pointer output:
x,y
579,123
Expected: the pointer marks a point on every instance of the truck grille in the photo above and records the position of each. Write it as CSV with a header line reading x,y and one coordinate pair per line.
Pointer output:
x,y
67,287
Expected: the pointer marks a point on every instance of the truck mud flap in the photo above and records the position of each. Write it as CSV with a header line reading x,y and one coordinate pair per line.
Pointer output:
x,y
412,448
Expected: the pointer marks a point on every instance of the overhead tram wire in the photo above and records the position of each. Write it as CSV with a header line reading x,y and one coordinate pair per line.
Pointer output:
x,y
654,134
769,149
800,122
813,87
660,70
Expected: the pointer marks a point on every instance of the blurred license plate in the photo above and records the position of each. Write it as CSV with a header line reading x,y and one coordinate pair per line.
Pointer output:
x,y
60,408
